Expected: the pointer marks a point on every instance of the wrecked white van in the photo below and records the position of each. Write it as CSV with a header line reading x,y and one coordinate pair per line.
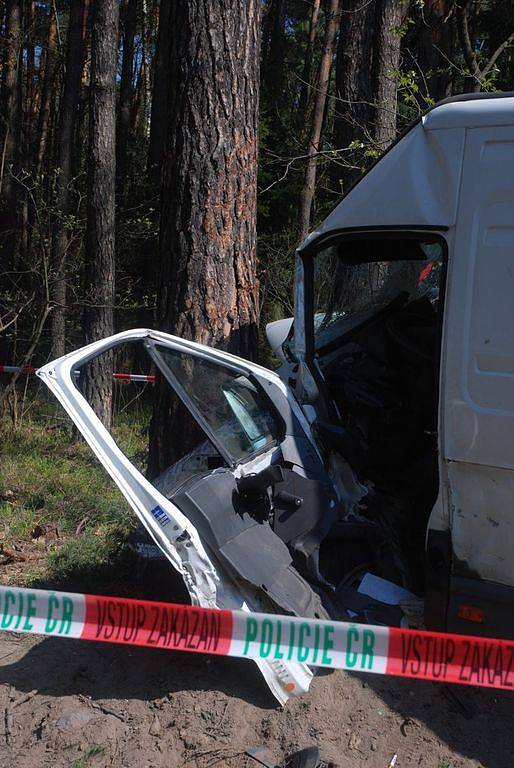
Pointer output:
x,y
385,443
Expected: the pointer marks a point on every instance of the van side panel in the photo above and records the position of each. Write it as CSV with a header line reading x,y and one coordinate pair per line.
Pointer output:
x,y
478,379
479,388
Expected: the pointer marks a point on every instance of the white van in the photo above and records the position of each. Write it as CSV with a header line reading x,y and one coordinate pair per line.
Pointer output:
x,y
384,445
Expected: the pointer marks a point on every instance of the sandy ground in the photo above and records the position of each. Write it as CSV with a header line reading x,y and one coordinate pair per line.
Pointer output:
x,y
74,703
91,705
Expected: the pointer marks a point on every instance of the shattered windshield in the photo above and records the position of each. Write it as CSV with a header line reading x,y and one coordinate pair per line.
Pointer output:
x,y
347,291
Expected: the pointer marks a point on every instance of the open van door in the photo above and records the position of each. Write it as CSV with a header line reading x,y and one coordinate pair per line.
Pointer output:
x,y
243,527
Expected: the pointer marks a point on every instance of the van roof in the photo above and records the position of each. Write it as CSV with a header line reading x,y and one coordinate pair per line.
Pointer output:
x,y
470,110
415,183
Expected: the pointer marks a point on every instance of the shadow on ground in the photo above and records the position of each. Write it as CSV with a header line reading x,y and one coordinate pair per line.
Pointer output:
x,y
57,667
61,667
476,723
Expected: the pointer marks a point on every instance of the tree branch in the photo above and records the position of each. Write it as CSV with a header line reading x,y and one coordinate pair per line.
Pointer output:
x,y
498,52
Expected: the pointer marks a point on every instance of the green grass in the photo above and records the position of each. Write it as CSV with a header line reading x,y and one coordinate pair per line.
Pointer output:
x,y
49,480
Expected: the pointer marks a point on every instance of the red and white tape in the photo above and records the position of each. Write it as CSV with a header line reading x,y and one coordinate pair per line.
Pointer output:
x,y
336,645
28,370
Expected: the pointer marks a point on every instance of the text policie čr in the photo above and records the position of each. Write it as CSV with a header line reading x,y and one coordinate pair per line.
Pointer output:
x,y
308,643
17,609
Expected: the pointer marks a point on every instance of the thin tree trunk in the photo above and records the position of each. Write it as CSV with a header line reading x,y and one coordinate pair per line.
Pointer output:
x,y
129,19
435,44
135,112
315,129
81,129
30,75
65,153
208,277
273,57
306,85
386,60
47,92
353,109
466,15
99,266
11,101
146,69
159,94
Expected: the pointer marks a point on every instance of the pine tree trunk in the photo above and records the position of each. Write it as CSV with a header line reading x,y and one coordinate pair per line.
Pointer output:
x,y
65,154
435,46
315,128
208,277
353,110
273,52
48,89
129,19
306,85
99,266
30,106
145,68
159,94
11,102
386,60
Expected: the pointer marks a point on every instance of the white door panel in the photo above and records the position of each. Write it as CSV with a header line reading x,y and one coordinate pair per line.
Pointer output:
x,y
208,583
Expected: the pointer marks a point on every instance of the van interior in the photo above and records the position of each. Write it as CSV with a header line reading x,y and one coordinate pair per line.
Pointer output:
x,y
376,318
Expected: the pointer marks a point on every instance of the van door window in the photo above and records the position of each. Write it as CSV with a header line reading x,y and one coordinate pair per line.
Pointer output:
x,y
226,403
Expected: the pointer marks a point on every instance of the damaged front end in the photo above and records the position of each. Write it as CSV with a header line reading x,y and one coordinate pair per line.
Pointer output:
x,y
205,512
264,509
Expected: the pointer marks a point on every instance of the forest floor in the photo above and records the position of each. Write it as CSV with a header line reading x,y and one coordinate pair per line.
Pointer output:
x,y
86,705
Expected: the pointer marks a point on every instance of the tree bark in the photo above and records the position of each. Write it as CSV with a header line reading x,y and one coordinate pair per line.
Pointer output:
x,y
129,20
145,68
273,52
208,274
315,128
306,85
435,46
11,102
30,106
100,235
65,154
353,107
386,60
159,94
47,92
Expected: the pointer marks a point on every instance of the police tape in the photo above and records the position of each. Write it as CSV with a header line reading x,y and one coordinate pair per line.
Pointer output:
x,y
336,645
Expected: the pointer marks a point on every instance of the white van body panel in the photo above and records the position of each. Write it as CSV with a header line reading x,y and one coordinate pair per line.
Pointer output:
x,y
478,367
482,521
471,113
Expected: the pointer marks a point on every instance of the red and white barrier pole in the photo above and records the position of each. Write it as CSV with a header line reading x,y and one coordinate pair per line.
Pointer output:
x,y
28,370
